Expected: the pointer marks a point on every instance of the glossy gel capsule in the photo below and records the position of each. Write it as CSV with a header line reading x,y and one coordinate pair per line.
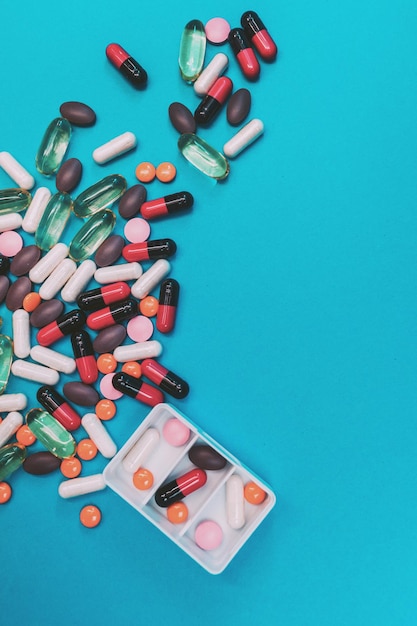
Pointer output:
x,y
53,146
127,66
6,356
51,433
203,156
92,234
192,50
11,458
53,221
100,196
14,200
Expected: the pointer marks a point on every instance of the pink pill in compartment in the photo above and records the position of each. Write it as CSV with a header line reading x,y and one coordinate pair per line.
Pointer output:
x,y
10,243
140,328
107,389
175,432
137,230
208,535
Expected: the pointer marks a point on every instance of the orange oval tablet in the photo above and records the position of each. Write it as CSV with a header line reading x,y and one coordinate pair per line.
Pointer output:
x,y
143,479
253,493
177,513
105,409
25,436
5,493
86,449
70,468
106,363
145,172
90,516
149,306
133,368
166,172
31,301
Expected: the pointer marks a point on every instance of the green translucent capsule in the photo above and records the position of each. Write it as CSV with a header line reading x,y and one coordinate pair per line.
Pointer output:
x,y
92,234
99,196
192,51
53,146
6,357
14,200
53,221
11,458
205,158
51,433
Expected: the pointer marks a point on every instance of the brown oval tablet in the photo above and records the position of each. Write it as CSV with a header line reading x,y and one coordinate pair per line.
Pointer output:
x,y
131,201
206,457
78,113
109,338
16,293
238,106
46,313
24,260
109,251
80,393
69,175
4,287
41,463
181,118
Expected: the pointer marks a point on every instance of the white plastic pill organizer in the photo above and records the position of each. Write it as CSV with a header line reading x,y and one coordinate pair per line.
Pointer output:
x,y
167,462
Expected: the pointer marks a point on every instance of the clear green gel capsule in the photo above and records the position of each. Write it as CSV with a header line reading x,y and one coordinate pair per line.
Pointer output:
x,y
205,158
51,433
53,146
14,200
192,51
11,458
6,357
54,220
99,196
92,234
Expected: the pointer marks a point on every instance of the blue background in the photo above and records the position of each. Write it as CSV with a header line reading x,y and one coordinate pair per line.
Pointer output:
x,y
296,328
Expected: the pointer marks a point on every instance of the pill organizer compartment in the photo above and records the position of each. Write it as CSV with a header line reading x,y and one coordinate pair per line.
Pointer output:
x,y
167,462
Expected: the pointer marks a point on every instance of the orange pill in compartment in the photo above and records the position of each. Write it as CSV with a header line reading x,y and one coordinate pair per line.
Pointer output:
x,y
105,409
31,301
86,449
133,368
106,363
143,479
166,172
149,306
145,172
253,493
71,468
177,513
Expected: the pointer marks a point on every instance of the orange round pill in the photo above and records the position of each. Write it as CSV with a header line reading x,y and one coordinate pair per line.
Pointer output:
x,y
253,493
105,409
31,301
149,306
5,493
132,368
25,436
106,363
177,513
70,468
145,172
166,172
90,516
86,449
143,479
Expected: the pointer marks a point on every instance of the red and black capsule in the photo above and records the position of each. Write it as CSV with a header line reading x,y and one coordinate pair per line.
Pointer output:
x,y
212,103
168,205
259,36
64,325
113,314
85,360
244,54
102,296
180,487
127,65
165,379
137,389
58,407
168,301
149,250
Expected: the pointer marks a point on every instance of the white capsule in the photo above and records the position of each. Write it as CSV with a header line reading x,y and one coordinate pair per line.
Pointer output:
x,y
114,148
150,279
46,265
21,333
235,502
78,281
243,138
55,360
114,273
141,450
138,351
211,73
35,372
10,221
11,423
57,279
13,402
81,486
16,171
97,432
36,209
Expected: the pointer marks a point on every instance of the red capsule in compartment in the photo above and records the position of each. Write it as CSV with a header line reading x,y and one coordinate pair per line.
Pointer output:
x,y
165,379
84,357
102,296
58,407
137,389
61,327
149,250
244,54
168,302
212,103
168,205
259,36
127,65
113,314
180,487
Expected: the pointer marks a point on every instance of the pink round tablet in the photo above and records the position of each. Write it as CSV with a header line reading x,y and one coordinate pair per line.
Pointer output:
x,y
217,30
107,389
140,328
137,230
208,535
10,243
175,432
